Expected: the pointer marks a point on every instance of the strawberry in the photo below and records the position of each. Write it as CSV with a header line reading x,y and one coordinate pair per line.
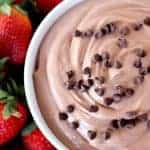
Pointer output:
x,y
18,1
15,33
13,116
46,5
33,139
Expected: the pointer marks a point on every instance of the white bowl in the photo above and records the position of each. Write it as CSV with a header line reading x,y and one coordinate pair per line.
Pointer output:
x,y
30,68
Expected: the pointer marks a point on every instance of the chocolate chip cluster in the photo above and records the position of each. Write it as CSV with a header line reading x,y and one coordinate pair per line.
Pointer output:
x,y
120,92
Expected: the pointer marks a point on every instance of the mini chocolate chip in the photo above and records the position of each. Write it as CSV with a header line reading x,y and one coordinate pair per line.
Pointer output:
x,y
90,82
117,98
142,117
87,70
97,58
148,124
70,84
78,33
75,124
137,26
79,84
84,87
104,31
100,91
96,78
124,31
137,63
88,33
92,134
108,63
63,116
108,101
101,79
70,74
143,71
147,21
70,108
108,28
107,135
122,43
148,69
129,92
131,123
123,123
98,35
139,79
117,64
140,52
114,124
111,27
93,108
105,55
120,90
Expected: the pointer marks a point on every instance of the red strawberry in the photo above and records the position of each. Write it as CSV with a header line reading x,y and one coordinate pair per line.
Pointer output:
x,y
13,116
46,5
18,1
33,139
15,33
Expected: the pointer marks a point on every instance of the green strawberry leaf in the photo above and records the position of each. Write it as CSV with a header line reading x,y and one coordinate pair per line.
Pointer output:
x,y
5,9
9,89
10,104
14,85
3,94
6,1
10,99
31,127
15,89
9,109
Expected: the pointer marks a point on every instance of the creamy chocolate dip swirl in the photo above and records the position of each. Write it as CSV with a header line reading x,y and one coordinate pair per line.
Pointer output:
x,y
93,76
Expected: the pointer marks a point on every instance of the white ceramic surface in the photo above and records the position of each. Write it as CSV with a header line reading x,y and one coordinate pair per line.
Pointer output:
x,y
30,66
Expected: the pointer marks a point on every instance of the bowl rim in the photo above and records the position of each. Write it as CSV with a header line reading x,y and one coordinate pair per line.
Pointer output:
x,y
30,63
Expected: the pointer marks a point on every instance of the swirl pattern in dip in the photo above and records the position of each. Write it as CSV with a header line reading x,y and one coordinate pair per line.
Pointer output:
x,y
93,76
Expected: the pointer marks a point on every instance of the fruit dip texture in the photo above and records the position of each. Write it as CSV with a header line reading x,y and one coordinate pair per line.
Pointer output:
x,y
93,76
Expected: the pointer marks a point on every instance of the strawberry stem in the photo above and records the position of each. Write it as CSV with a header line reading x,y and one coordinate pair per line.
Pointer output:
x,y
3,95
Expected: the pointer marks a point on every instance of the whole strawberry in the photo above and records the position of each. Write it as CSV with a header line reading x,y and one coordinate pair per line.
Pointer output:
x,y
33,139
13,116
46,5
15,33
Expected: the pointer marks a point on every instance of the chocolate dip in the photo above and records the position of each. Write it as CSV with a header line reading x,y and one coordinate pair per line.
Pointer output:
x,y
92,78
